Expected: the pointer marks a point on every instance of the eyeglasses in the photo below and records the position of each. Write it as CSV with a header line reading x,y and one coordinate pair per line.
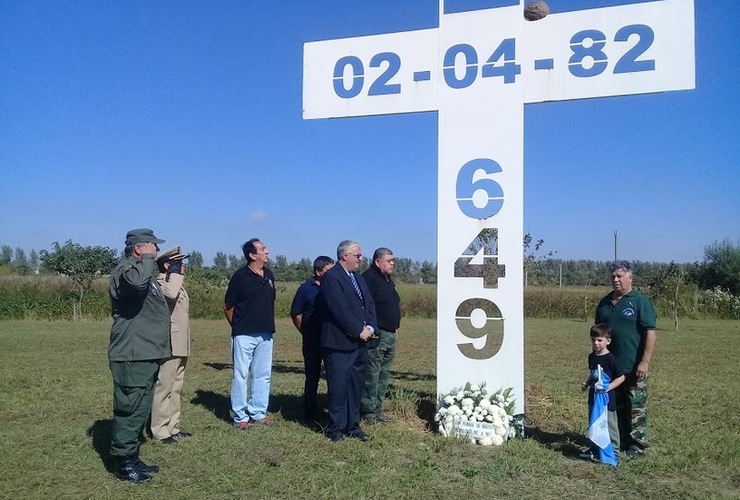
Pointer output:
x,y
357,256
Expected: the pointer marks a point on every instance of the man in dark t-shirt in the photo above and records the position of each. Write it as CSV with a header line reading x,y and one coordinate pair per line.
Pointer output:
x,y
249,306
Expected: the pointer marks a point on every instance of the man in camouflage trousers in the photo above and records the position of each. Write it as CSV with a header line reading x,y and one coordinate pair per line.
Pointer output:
x,y
631,318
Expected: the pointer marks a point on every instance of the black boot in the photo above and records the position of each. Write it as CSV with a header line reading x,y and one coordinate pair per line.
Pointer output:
x,y
144,467
127,470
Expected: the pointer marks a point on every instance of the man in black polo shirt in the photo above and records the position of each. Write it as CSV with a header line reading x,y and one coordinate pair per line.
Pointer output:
x,y
249,306
388,313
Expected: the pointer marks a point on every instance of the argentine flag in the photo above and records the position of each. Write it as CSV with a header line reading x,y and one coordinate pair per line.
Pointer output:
x,y
598,424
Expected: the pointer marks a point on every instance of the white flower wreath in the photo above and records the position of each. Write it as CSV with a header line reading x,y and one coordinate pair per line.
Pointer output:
x,y
483,417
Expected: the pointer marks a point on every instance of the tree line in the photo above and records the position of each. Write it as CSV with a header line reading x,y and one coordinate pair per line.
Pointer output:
x,y
720,268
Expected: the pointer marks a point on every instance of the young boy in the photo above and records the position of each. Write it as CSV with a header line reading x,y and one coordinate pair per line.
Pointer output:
x,y
604,375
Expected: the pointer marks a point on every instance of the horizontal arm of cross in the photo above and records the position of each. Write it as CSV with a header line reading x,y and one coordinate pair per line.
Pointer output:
x,y
622,50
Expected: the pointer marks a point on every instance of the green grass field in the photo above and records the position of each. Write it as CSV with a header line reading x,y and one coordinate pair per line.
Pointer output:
x,y
55,410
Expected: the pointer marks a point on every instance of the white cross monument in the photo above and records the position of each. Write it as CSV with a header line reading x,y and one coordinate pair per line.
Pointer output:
x,y
477,70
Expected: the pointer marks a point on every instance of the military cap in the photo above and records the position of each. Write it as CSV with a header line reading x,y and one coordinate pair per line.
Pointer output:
x,y
141,235
170,255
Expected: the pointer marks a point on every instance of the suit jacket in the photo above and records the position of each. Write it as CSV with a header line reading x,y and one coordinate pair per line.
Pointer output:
x,y
343,314
179,303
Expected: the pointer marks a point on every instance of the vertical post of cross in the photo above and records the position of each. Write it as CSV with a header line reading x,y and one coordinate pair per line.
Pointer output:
x,y
480,199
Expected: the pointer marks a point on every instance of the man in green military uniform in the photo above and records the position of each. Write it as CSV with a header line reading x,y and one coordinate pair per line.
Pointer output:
x,y
631,317
139,338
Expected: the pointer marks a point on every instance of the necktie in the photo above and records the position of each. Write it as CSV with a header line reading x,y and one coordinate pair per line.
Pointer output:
x,y
354,284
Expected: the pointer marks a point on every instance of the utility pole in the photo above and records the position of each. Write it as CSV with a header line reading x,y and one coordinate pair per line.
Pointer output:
x,y
615,245
560,278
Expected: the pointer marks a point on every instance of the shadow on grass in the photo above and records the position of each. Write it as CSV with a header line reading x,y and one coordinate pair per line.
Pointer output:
x,y
568,443
290,407
99,432
426,407
412,376
219,366
218,404
281,368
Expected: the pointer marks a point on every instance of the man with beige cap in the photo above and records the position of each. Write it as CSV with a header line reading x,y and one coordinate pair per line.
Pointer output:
x,y
165,422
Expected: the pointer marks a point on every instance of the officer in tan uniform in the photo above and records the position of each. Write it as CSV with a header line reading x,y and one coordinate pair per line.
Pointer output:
x,y
139,338
165,422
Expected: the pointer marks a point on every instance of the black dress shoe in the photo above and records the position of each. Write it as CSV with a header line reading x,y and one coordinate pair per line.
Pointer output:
x,y
168,440
361,436
128,470
336,438
183,434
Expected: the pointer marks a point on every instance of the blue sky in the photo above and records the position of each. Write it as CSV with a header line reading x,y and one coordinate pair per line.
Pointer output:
x,y
186,117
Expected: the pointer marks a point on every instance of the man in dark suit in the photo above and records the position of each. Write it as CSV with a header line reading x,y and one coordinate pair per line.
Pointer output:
x,y
348,327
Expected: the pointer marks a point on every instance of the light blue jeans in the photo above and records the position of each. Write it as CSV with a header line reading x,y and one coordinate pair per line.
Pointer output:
x,y
251,355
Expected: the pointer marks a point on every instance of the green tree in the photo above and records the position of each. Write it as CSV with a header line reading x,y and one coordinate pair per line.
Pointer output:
x,y
235,262
6,255
33,261
533,255
82,264
20,263
428,272
721,267
220,261
303,269
196,260
279,267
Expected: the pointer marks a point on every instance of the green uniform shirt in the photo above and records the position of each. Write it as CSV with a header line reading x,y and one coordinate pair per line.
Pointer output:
x,y
629,319
141,317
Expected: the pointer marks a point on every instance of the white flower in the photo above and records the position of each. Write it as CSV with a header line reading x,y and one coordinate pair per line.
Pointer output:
x,y
472,404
